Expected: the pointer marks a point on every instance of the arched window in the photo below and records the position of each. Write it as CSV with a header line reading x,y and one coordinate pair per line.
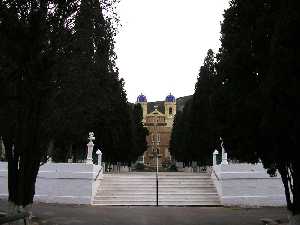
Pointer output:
x,y
170,111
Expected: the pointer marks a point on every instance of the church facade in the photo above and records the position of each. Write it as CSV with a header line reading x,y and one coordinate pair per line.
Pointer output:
x,y
159,122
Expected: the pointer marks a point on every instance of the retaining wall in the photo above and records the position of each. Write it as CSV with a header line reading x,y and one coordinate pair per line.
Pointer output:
x,y
74,183
247,185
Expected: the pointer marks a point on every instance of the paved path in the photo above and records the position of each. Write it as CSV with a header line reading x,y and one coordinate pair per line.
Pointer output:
x,y
50,214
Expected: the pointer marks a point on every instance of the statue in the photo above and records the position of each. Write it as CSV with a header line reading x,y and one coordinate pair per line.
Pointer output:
x,y
90,145
224,154
2,149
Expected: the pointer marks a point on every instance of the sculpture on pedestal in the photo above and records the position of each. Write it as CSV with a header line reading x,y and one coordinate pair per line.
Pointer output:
x,y
90,145
224,154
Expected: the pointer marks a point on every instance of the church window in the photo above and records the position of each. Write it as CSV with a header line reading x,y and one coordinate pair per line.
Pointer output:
x,y
170,111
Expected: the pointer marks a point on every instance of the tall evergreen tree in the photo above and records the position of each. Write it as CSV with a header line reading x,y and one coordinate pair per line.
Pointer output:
x,y
258,79
180,142
91,95
202,127
139,133
34,37
194,133
58,82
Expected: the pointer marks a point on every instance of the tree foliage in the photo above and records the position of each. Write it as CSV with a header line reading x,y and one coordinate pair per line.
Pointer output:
x,y
33,38
252,100
194,135
58,81
258,69
139,133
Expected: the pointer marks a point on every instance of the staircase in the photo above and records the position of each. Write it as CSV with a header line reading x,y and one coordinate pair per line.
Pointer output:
x,y
126,189
179,189
187,189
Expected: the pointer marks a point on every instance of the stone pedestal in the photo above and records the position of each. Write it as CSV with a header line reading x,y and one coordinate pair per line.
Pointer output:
x,y
90,146
215,153
89,158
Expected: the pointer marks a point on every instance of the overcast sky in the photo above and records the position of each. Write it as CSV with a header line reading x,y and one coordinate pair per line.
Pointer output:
x,y
162,44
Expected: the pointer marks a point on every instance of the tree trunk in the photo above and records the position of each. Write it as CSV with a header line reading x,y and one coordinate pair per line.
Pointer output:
x,y
292,190
24,158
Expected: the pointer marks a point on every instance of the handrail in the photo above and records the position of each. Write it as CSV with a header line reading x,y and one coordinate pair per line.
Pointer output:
x,y
216,175
18,216
99,173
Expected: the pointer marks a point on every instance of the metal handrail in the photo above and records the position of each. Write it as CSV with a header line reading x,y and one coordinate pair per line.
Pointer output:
x,y
18,216
99,172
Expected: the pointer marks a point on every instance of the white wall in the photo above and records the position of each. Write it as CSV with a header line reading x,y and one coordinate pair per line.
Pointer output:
x,y
248,185
61,182
3,180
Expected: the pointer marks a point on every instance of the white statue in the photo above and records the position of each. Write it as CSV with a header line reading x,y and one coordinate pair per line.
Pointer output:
x,y
2,149
91,136
90,145
224,154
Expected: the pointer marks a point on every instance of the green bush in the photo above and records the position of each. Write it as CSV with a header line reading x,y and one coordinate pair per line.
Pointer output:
x,y
173,168
140,166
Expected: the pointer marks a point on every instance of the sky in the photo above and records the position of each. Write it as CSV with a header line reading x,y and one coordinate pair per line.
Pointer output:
x,y
161,44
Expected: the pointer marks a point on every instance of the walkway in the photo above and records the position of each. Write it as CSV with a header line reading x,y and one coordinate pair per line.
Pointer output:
x,y
50,214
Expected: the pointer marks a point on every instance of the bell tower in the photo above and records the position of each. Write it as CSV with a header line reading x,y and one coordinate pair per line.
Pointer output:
x,y
170,109
142,100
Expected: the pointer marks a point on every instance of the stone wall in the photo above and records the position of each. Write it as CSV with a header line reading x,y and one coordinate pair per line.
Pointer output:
x,y
61,182
247,185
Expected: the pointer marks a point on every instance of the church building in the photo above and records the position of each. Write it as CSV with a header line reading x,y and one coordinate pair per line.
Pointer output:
x,y
158,119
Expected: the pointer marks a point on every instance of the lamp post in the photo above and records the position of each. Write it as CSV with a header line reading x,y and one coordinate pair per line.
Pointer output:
x,y
155,143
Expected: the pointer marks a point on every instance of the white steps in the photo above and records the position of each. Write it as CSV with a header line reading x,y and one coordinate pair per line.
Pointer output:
x,y
140,189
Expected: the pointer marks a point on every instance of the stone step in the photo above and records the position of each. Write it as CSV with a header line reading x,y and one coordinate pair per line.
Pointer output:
x,y
140,189
161,203
131,203
129,175
109,193
193,186
160,178
177,181
190,203
163,189
154,177
160,197
153,190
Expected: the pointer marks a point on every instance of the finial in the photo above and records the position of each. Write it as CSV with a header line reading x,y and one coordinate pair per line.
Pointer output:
x,y
91,136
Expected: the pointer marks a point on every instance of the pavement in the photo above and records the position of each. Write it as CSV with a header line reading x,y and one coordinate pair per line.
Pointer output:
x,y
58,214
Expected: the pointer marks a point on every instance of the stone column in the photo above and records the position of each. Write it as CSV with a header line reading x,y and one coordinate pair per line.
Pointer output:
x,y
90,145
215,153
99,153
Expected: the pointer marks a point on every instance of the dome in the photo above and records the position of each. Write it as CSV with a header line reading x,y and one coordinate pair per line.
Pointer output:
x,y
141,98
170,98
